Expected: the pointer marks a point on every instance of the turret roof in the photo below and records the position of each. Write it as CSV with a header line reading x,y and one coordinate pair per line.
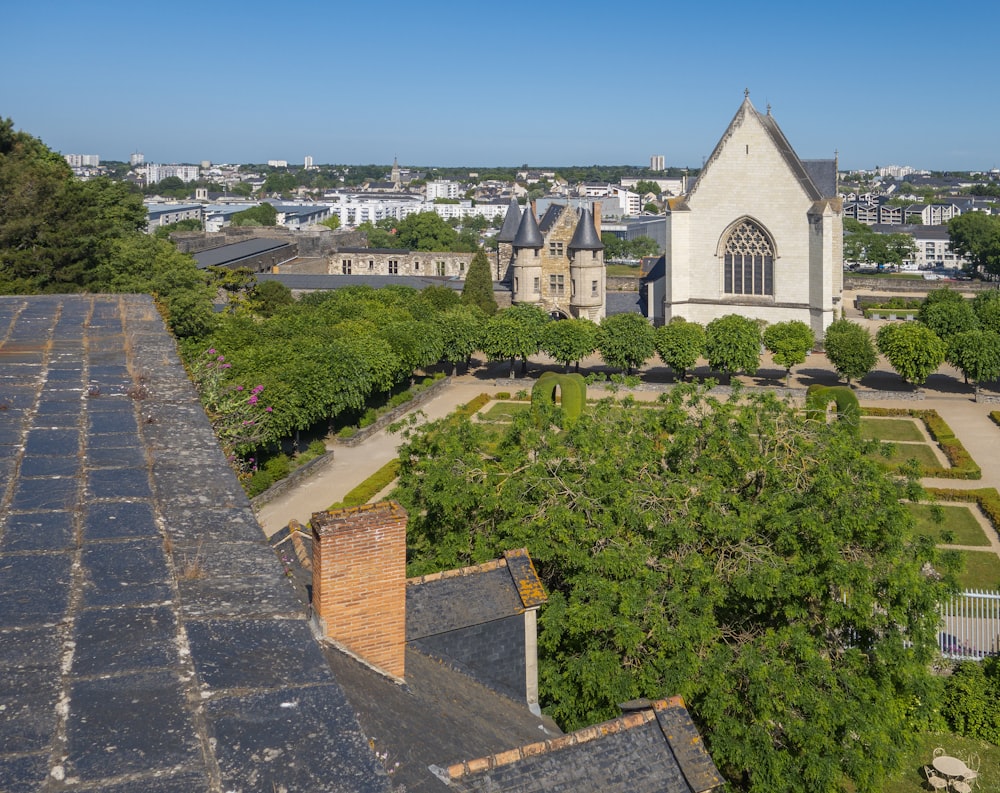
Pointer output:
x,y
585,237
528,235
511,222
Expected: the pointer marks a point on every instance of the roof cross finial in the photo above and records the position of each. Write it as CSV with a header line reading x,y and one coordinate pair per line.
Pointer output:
x,y
746,93
769,108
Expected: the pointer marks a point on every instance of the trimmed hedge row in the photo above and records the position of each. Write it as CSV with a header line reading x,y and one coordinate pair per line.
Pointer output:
x,y
962,464
473,405
986,497
995,415
367,490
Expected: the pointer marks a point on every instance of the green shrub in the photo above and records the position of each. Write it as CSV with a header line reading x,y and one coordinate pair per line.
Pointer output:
x,y
473,405
972,700
400,399
258,483
995,415
370,416
818,397
278,466
317,448
347,432
502,395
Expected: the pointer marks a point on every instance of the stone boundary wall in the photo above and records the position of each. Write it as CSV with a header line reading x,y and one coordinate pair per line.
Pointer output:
x,y
293,480
387,418
622,283
913,284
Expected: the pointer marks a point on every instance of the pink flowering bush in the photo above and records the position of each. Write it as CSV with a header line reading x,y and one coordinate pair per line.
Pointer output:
x,y
240,419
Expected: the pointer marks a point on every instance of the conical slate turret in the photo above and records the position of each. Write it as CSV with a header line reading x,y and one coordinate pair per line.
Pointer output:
x,y
528,235
511,222
585,237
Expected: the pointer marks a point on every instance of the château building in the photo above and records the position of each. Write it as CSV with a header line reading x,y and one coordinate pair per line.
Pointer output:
x,y
556,262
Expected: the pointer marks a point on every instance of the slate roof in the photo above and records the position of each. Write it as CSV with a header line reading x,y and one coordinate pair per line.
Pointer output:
x,y
622,303
236,251
149,640
471,596
585,236
653,750
548,219
511,222
528,234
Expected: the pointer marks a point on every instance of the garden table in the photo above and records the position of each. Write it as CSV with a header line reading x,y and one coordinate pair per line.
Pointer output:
x,y
951,767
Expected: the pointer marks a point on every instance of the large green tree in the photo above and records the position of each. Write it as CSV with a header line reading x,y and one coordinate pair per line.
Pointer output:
x,y
976,353
758,564
732,344
478,287
912,349
426,231
569,340
514,333
626,341
850,349
789,343
865,245
680,344
976,237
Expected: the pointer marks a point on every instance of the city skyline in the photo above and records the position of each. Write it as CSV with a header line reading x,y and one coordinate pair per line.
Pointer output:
x,y
455,84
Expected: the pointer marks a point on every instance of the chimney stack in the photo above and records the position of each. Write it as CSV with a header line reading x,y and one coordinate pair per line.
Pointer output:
x,y
359,581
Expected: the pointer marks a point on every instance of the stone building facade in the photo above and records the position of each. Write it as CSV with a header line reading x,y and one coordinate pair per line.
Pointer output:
x,y
759,234
556,262
398,261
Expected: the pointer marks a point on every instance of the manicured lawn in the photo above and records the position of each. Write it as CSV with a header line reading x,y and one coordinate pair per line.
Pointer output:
x,y
921,452
890,429
958,520
911,779
981,571
624,270
504,411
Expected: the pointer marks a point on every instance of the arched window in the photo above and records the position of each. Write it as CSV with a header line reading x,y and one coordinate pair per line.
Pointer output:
x,y
748,264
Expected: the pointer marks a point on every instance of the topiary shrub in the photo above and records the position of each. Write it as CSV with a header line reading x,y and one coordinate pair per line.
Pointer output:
x,y
572,387
819,397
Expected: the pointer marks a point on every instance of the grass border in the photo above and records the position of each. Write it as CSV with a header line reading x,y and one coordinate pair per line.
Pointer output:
x,y
995,416
962,464
366,490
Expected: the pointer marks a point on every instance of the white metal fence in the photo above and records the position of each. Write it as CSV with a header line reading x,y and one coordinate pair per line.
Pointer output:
x,y
970,626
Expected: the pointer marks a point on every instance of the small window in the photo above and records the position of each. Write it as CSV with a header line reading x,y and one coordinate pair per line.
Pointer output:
x,y
393,266
461,268
515,284
537,285
440,269
371,264
557,284
416,266
345,267
594,292
555,249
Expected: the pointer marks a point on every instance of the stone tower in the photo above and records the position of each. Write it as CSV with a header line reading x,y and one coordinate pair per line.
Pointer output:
x,y
586,270
505,243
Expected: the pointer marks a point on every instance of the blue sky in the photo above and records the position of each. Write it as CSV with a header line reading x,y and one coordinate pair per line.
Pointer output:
x,y
549,82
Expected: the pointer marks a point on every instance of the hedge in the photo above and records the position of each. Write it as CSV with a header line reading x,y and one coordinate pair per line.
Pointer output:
x,y
986,497
367,490
962,464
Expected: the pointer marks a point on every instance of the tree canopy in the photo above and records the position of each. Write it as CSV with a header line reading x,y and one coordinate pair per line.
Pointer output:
x,y
758,564
850,349
789,343
912,349
976,237
732,344
680,344
477,290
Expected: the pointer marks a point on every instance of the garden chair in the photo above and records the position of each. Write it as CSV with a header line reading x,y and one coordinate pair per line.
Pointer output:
x,y
939,751
961,786
936,782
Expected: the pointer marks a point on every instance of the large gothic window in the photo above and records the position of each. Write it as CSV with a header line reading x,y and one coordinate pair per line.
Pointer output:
x,y
748,267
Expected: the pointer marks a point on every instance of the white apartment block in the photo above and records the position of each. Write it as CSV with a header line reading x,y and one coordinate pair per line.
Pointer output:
x,y
657,163
278,163
83,160
157,173
136,158
442,189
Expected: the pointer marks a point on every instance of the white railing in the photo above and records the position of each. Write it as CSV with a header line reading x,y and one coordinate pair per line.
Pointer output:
x,y
970,626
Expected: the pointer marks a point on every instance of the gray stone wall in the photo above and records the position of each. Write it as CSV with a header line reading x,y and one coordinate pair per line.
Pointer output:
x,y
373,261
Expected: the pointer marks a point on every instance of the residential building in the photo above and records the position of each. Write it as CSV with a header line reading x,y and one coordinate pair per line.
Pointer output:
x,y
933,246
278,163
656,163
307,162
157,173
83,160
443,189
136,158
164,214
760,233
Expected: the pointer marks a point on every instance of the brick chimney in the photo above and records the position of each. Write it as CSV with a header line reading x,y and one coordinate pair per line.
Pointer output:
x,y
359,581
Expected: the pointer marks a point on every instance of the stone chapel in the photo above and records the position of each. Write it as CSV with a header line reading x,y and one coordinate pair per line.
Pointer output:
x,y
760,233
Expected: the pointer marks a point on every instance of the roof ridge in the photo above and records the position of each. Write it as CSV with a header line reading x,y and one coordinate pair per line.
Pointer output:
x,y
483,567
584,735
